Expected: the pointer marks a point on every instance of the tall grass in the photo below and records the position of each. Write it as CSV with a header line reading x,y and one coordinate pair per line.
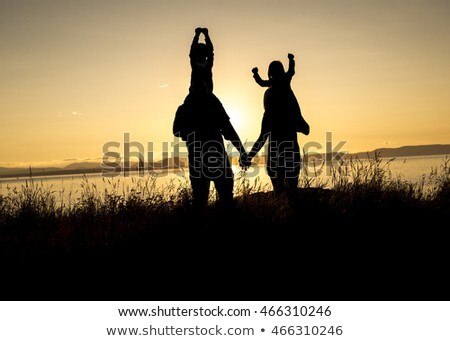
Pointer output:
x,y
115,212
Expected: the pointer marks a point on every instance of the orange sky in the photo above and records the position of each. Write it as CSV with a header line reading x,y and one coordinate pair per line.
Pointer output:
x,y
75,75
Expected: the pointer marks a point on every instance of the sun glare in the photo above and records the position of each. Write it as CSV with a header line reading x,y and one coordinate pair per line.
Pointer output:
x,y
238,120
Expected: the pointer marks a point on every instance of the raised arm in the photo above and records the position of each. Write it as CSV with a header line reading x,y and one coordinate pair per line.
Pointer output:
x,y
291,70
198,30
210,46
259,80
208,41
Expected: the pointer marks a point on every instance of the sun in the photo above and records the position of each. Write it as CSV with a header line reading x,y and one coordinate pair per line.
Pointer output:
x,y
237,118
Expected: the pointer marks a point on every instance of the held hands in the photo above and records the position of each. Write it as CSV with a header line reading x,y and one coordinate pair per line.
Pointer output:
x,y
290,56
245,161
203,30
255,70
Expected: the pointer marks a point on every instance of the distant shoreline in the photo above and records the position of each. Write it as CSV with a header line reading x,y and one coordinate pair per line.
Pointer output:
x,y
169,165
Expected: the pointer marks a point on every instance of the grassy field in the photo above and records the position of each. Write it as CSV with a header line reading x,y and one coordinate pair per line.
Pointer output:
x,y
361,213
361,192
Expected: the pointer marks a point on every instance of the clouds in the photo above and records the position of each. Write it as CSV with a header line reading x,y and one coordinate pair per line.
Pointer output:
x,y
69,114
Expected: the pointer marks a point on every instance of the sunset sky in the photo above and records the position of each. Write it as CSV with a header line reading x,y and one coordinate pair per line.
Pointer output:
x,y
77,74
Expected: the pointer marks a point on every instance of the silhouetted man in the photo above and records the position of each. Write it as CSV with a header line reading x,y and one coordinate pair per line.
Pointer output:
x,y
202,122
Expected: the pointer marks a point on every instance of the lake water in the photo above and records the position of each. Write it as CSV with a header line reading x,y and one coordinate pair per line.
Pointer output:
x,y
410,168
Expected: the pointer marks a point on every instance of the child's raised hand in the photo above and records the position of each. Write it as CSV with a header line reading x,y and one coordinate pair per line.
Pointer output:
x,y
290,56
255,70
198,30
205,31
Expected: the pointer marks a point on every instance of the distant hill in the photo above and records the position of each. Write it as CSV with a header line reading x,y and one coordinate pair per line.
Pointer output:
x,y
169,163
74,168
83,165
88,168
176,163
432,149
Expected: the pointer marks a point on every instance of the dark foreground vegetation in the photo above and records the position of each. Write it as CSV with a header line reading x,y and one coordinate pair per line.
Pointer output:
x,y
364,235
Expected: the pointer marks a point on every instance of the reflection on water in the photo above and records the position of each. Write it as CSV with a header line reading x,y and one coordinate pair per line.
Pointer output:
x,y
411,169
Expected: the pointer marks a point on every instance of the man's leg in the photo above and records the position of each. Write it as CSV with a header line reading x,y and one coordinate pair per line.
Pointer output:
x,y
200,191
224,187
199,182
224,183
292,183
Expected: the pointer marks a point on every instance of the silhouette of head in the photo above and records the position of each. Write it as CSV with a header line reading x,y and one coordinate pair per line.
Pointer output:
x,y
276,69
200,54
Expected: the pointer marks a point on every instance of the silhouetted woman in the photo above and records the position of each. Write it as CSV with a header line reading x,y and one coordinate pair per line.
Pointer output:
x,y
281,121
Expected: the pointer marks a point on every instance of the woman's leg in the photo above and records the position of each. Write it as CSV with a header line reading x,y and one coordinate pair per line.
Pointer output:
x,y
277,184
